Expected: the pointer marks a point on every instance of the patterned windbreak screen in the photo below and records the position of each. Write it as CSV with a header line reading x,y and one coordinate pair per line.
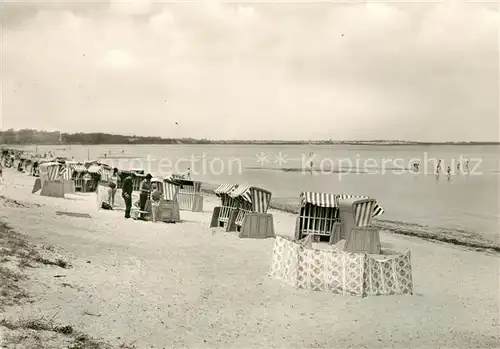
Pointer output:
x,y
339,272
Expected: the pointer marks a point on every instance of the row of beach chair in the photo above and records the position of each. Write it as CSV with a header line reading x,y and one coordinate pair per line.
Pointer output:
x,y
330,217
243,208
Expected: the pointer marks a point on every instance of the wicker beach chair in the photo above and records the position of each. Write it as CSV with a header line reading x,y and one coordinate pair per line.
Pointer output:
x,y
189,195
220,215
167,209
356,214
251,219
50,182
78,171
318,217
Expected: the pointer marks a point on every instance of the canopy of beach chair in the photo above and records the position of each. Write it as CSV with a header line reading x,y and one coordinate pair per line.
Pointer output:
x,y
242,192
50,170
377,210
94,168
102,169
259,198
225,189
78,168
183,182
318,199
332,200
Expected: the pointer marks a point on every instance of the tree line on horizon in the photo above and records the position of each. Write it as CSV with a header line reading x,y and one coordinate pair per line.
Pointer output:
x,y
41,137
30,136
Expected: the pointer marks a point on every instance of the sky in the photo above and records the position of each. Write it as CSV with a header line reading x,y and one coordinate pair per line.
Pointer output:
x,y
307,70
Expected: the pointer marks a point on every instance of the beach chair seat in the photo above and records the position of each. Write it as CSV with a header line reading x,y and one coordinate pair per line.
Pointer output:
x,y
356,216
189,197
78,184
222,213
318,217
240,217
225,212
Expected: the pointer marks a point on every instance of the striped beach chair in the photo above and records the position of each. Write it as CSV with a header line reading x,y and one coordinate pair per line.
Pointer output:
x,y
356,214
189,196
78,171
106,172
137,181
251,219
220,215
67,172
167,209
170,189
318,216
50,181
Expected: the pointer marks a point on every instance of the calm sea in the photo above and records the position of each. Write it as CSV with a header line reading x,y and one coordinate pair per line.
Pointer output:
x,y
461,201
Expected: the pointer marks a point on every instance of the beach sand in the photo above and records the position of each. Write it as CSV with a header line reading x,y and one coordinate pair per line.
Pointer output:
x,y
185,285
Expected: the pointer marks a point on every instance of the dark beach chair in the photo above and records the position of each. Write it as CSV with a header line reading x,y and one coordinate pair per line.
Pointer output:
x,y
318,217
220,215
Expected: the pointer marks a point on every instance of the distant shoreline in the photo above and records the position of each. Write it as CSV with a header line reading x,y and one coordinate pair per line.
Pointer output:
x,y
181,143
30,137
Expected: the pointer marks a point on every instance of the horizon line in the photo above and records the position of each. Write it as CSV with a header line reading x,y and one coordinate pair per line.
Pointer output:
x,y
330,140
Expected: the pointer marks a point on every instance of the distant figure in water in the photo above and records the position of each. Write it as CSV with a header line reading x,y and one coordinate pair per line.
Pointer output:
x,y
188,173
467,166
458,167
105,155
438,168
123,151
416,166
449,172
311,163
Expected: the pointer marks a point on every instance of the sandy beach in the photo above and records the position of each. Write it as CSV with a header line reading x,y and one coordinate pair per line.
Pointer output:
x,y
136,284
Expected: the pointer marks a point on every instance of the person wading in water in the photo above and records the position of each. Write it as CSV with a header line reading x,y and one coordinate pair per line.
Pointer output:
x,y
438,169
127,189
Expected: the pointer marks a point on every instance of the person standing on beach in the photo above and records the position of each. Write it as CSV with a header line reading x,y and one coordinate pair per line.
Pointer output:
x,y
113,180
156,196
146,187
127,189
